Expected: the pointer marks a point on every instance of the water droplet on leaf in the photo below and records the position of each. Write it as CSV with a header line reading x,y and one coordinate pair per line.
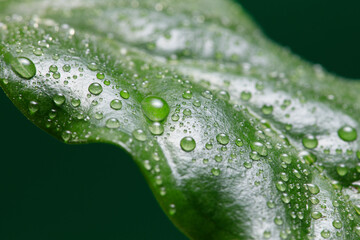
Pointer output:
x,y
347,133
116,104
23,66
59,99
95,88
139,135
187,144
310,141
222,138
155,108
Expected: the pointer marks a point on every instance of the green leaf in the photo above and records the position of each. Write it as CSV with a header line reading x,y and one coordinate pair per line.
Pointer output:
x,y
236,137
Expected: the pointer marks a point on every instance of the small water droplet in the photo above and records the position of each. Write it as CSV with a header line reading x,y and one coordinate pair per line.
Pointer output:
x,y
281,186
337,224
314,200
285,198
248,165
267,234
267,109
222,94
215,171
59,99
66,68
53,68
218,158
245,95
357,230
270,204
278,220
33,107
259,148
207,94
197,103
254,156
284,176
325,234
314,189
187,94
38,52
285,158
99,115
187,112
66,135
175,117
316,215
100,76
209,146
239,142
139,135
172,209
342,170
75,102
92,66
156,128
112,123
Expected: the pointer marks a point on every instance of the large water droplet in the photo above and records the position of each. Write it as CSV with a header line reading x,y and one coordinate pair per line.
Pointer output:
x,y
23,66
116,104
112,123
66,135
75,102
139,135
281,186
59,99
53,68
187,94
347,133
156,128
33,107
310,141
267,109
325,234
245,95
95,88
223,95
259,148
342,170
66,68
285,158
124,94
278,220
215,171
155,108
222,138
187,144
316,215
314,189
337,224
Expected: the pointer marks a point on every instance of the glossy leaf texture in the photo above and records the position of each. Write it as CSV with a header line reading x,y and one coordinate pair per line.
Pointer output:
x,y
236,137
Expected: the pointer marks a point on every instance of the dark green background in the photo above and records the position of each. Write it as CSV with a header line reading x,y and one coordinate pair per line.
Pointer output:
x,y
49,190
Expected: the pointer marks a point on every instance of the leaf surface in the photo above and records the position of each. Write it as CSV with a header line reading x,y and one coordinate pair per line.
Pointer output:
x,y
252,144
